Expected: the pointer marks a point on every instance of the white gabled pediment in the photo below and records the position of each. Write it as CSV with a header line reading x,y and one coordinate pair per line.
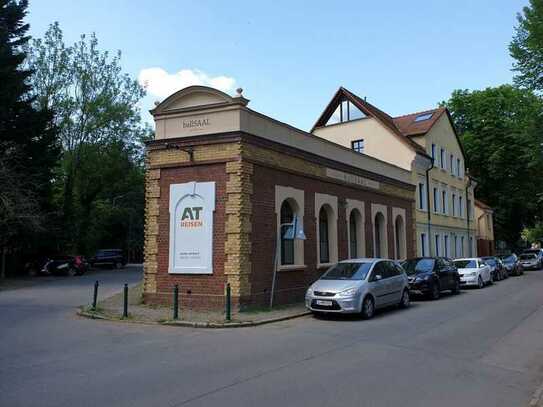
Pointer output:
x,y
195,97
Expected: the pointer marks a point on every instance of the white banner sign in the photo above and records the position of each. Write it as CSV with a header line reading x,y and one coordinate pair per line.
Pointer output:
x,y
191,228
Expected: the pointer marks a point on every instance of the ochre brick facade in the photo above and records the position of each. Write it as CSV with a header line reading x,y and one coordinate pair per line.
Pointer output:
x,y
244,234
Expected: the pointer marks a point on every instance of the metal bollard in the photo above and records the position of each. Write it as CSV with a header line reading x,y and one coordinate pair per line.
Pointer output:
x,y
95,296
228,305
176,302
125,303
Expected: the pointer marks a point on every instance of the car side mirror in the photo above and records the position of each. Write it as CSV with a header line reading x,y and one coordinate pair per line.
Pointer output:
x,y
378,277
481,265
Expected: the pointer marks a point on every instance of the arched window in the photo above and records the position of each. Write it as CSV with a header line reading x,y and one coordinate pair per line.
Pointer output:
x,y
356,234
399,237
287,245
324,244
353,236
380,236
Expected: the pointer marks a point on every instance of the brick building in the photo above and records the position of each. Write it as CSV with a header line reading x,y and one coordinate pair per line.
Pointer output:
x,y
248,174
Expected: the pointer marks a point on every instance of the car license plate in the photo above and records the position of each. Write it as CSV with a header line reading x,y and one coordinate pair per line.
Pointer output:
x,y
324,303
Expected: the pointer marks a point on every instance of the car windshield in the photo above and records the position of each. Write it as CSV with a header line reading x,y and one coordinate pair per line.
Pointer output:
x,y
466,264
347,271
527,256
508,259
107,253
416,266
490,261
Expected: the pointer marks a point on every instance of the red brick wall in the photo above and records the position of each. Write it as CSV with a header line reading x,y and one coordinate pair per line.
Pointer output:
x,y
206,291
291,284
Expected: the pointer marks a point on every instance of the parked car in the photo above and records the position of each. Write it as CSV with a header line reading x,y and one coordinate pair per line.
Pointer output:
x,y
430,275
512,263
496,268
67,265
112,257
359,286
528,263
474,271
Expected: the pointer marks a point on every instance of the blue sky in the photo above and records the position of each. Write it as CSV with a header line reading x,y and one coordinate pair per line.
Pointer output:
x,y
291,56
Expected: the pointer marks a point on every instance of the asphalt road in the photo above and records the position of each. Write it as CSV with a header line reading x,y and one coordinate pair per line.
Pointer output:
x,y
480,348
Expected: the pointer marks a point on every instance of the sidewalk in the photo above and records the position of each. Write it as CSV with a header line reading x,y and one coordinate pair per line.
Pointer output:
x,y
111,308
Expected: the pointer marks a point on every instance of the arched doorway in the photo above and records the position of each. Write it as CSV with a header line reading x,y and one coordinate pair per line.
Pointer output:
x,y
399,237
380,236
287,245
324,241
356,237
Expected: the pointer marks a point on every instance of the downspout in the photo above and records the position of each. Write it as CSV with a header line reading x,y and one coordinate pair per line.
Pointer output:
x,y
467,216
428,207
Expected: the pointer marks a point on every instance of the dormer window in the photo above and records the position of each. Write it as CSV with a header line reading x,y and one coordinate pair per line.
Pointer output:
x,y
345,112
423,117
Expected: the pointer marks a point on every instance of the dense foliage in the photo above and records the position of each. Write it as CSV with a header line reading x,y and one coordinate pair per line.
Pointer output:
x,y
527,47
501,130
28,140
98,186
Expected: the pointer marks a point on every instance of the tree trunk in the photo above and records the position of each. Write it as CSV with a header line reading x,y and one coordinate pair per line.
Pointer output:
x,y
3,264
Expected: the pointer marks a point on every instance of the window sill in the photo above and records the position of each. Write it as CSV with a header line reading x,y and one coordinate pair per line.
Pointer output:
x,y
324,265
291,267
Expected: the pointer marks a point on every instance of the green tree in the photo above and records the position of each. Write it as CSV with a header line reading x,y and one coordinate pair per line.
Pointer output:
x,y
96,110
527,47
502,133
28,140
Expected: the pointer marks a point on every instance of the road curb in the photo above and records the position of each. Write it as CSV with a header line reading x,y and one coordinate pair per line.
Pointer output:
x,y
242,324
189,324
536,400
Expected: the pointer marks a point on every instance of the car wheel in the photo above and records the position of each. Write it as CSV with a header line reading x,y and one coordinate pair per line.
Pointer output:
x,y
368,308
405,301
435,293
456,289
480,283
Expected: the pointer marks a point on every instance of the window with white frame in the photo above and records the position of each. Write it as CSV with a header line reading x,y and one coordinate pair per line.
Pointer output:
x,y
458,167
460,207
451,164
442,161
446,245
453,204
456,252
422,196
462,245
437,244
433,152
423,245
436,200
444,203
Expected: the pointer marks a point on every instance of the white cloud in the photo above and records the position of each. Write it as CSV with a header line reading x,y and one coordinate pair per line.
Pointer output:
x,y
162,84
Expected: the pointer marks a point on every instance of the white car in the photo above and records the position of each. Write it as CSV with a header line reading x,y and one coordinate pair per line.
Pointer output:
x,y
474,271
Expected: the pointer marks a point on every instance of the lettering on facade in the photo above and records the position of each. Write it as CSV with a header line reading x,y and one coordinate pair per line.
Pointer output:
x,y
195,123
191,217
191,228
352,178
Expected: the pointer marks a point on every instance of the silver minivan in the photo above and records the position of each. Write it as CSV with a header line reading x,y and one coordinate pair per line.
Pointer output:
x,y
359,286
